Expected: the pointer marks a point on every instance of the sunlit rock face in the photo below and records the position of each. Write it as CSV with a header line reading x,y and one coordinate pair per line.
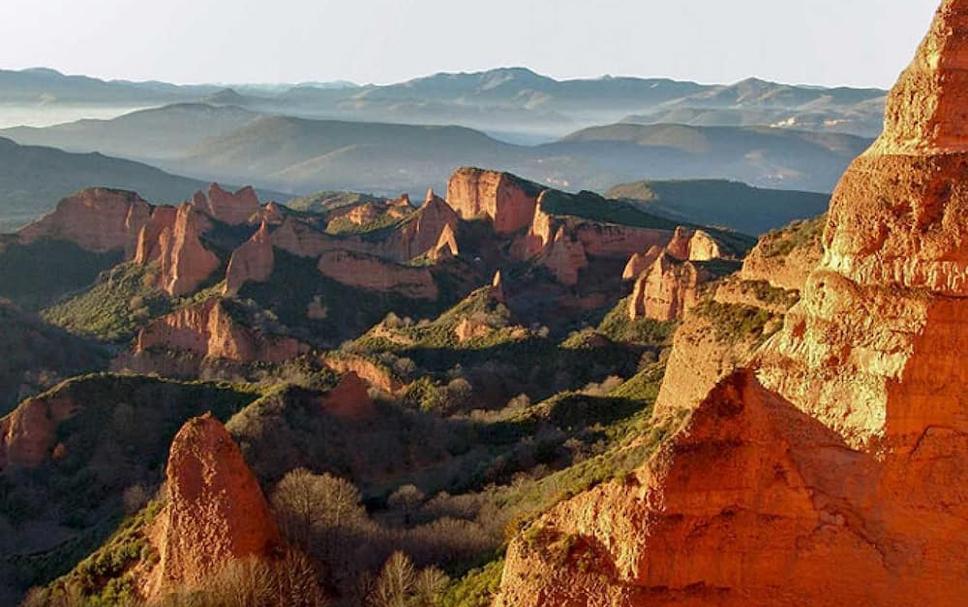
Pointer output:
x,y
231,208
253,261
507,201
667,290
215,511
833,468
95,219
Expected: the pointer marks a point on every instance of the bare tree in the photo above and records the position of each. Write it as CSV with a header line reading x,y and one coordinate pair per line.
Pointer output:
x,y
309,505
395,584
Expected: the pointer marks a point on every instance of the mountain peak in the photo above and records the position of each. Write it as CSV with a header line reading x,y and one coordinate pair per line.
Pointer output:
x,y
927,111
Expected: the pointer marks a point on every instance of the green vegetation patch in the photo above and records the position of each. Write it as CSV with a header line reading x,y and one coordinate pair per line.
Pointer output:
x,y
735,322
123,299
477,588
321,202
781,243
106,577
617,326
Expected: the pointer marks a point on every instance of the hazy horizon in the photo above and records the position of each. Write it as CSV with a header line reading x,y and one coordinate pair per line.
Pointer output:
x,y
816,42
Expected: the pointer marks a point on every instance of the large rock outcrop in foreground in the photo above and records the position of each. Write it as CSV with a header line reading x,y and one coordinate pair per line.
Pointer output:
x,y
506,200
215,512
753,503
95,219
834,469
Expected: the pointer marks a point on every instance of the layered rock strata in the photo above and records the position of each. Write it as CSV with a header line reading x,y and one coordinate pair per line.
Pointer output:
x,y
833,469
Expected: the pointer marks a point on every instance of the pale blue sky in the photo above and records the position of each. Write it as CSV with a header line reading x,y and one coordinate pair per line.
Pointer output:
x,y
832,42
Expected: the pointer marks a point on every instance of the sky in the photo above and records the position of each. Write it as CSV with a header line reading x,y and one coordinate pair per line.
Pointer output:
x,y
824,42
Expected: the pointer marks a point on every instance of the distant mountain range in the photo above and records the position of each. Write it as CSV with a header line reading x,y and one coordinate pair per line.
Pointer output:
x,y
515,102
573,134
299,155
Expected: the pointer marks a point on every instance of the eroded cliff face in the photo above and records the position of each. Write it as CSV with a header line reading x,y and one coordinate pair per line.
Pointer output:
x,y
185,263
668,289
28,433
832,469
376,274
430,230
503,198
300,239
373,374
208,330
215,513
231,208
751,503
784,258
565,244
871,348
251,262
95,219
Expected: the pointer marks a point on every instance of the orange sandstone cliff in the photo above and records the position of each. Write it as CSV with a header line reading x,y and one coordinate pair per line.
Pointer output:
x,y
833,469
233,209
251,262
668,289
208,330
215,511
95,219
376,274
501,197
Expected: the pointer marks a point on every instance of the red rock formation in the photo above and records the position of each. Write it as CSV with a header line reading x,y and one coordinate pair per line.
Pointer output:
x,y
691,245
28,433
446,246
753,503
926,112
349,399
703,247
303,240
209,331
469,329
251,262
373,273
870,350
641,262
667,290
373,374
273,214
565,257
148,248
233,209
430,230
215,511
564,244
184,262
834,470
95,219
678,247
776,260
497,288
506,200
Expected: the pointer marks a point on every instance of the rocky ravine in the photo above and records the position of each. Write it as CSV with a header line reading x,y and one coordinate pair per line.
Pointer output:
x,y
832,469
